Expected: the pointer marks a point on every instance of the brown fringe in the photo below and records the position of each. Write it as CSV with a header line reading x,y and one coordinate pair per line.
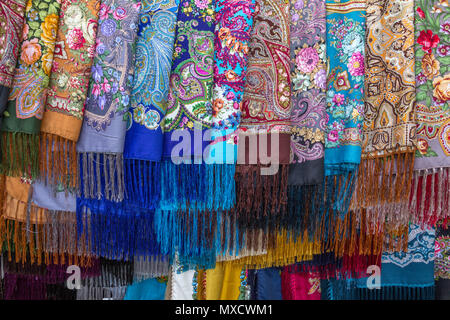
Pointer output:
x,y
261,200
382,197
58,161
38,235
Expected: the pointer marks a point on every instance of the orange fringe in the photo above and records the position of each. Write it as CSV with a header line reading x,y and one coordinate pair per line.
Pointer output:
x,y
58,160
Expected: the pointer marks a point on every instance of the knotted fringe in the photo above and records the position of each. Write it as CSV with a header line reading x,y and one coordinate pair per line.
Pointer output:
x,y
150,268
198,187
58,161
116,230
102,176
430,196
341,290
190,233
143,183
36,235
261,199
20,154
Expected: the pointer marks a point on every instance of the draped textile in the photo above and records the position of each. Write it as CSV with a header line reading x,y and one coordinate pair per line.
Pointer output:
x,y
12,19
69,81
101,210
20,128
431,184
144,138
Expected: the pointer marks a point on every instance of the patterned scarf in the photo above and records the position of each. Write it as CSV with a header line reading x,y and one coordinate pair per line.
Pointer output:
x,y
20,128
442,251
69,81
234,22
404,275
100,206
431,188
265,128
12,19
308,72
389,127
300,285
345,108
154,53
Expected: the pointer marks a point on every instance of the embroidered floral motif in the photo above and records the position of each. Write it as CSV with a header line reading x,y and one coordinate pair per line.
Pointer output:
x,y
111,83
36,57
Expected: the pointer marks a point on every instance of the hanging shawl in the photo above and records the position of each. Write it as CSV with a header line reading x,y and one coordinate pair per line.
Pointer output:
x,y
12,19
14,232
63,116
152,267
144,138
404,275
266,284
223,282
265,127
181,283
100,207
308,72
185,180
234,22
384,178
431,187
300,286
20,140
345,108
56,211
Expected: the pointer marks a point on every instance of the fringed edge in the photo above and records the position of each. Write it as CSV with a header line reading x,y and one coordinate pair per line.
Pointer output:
x,y
201,187
188,233
153,267
20,154
58,161
44,237
143,183
116,230
430,196
261,201
101,176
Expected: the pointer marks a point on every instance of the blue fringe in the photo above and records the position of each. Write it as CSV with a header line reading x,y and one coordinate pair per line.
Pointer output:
x,y
117,230
143,183
197,186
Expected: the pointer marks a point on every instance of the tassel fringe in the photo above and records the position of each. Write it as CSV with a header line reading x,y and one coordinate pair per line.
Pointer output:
x,y
20,154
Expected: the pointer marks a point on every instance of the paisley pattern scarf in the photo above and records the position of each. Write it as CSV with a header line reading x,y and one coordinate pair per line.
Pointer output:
x,y
100,207
442,251
144,138
385,174
308,72
11,19
63,116
187,187
265,125
234,22
20,128
345,111
431,188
